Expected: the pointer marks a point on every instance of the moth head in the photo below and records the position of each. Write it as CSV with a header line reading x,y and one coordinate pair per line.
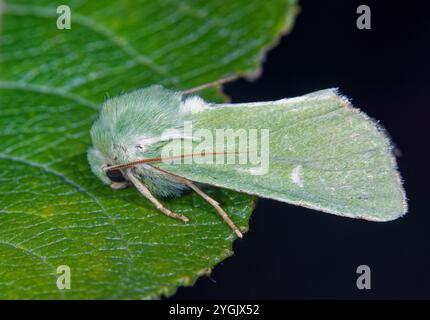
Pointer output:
x,y
100,167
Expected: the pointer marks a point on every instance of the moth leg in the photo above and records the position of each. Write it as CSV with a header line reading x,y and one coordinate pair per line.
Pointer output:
x,y
217,207
148,195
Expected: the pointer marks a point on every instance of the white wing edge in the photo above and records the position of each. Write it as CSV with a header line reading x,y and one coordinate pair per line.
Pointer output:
x,y
316,95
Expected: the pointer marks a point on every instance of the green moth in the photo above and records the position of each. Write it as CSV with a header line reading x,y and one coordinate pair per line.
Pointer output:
x,y
315,151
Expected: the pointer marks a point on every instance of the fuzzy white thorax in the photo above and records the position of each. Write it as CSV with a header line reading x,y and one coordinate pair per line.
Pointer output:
x,y
193,104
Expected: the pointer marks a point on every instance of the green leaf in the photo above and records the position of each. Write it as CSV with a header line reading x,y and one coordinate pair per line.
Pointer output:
x,y
53,211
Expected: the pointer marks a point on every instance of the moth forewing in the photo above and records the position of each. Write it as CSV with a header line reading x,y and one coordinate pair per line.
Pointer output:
x,y
323,154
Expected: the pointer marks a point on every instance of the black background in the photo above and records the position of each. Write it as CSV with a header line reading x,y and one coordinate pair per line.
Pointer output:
x,y
292,252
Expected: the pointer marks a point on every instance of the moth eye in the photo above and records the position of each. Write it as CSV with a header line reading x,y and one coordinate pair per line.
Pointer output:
x,y
115,175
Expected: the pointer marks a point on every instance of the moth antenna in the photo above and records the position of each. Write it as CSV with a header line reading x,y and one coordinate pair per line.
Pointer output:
x,y
159,159
211,84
